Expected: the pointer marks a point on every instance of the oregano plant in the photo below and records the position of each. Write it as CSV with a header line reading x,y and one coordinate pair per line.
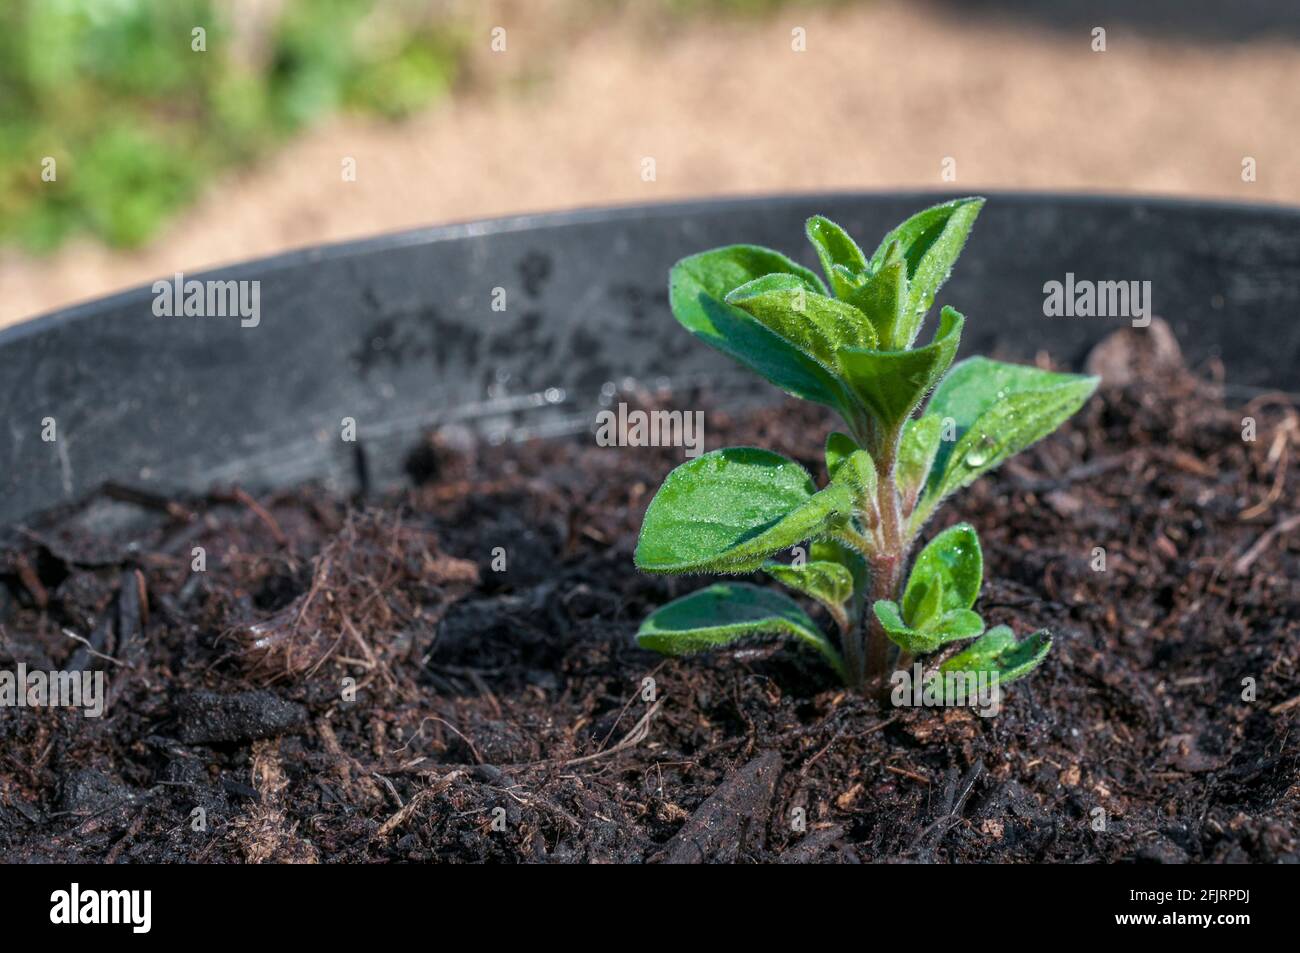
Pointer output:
x,y
851,344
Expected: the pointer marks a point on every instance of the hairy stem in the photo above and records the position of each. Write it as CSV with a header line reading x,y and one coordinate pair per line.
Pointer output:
x,y
887,556
851,647
886,570
866,649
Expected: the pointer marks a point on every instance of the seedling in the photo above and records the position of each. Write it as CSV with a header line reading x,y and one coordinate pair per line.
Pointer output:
x,y
852,348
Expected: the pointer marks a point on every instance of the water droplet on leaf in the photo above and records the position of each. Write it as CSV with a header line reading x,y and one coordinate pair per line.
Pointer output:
x,y
979,455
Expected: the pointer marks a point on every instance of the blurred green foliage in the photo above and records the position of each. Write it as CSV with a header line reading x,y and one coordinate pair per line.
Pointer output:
x,y
743,8
137,120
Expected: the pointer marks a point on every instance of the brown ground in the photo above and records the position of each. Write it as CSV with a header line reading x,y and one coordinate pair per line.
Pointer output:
x,y
517,696
883,94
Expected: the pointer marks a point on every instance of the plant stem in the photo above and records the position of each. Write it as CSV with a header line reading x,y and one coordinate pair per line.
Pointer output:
x,y
851,647
887,558
885,573
866,650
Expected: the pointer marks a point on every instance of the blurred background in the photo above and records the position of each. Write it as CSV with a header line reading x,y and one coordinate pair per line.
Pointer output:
x,y
142,137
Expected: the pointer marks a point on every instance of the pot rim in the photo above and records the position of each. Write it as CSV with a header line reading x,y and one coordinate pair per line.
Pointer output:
x,y
592,214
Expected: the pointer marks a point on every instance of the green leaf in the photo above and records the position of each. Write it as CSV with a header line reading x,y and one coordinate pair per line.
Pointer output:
x,y
818,326
883,298
998,652
977,384
892,383
916,453
891,619
930,241
889,252
721,614
950,626
833,550
697,289
829,583
951,564
846,280
729,510
928,606
999,409
846,462
957,624
835,247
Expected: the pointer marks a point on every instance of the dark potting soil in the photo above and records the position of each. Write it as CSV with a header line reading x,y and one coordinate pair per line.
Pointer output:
x,y
367,682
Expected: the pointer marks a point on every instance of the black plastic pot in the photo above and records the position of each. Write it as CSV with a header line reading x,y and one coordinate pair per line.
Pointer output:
x,y
399,332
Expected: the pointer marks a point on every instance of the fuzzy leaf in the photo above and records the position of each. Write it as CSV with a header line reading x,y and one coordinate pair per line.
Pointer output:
x,y
892,383
832,550
818,326
975,385
846,462
928,606
883,298
916,453
999,409
997,651
846,280
891,619
889,252
729,510
952,564
835,247
697,289
957,624
930,241
828,582
950,626
729,612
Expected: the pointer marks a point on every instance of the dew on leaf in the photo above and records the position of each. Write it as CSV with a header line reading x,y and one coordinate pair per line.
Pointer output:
x,y
979,455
